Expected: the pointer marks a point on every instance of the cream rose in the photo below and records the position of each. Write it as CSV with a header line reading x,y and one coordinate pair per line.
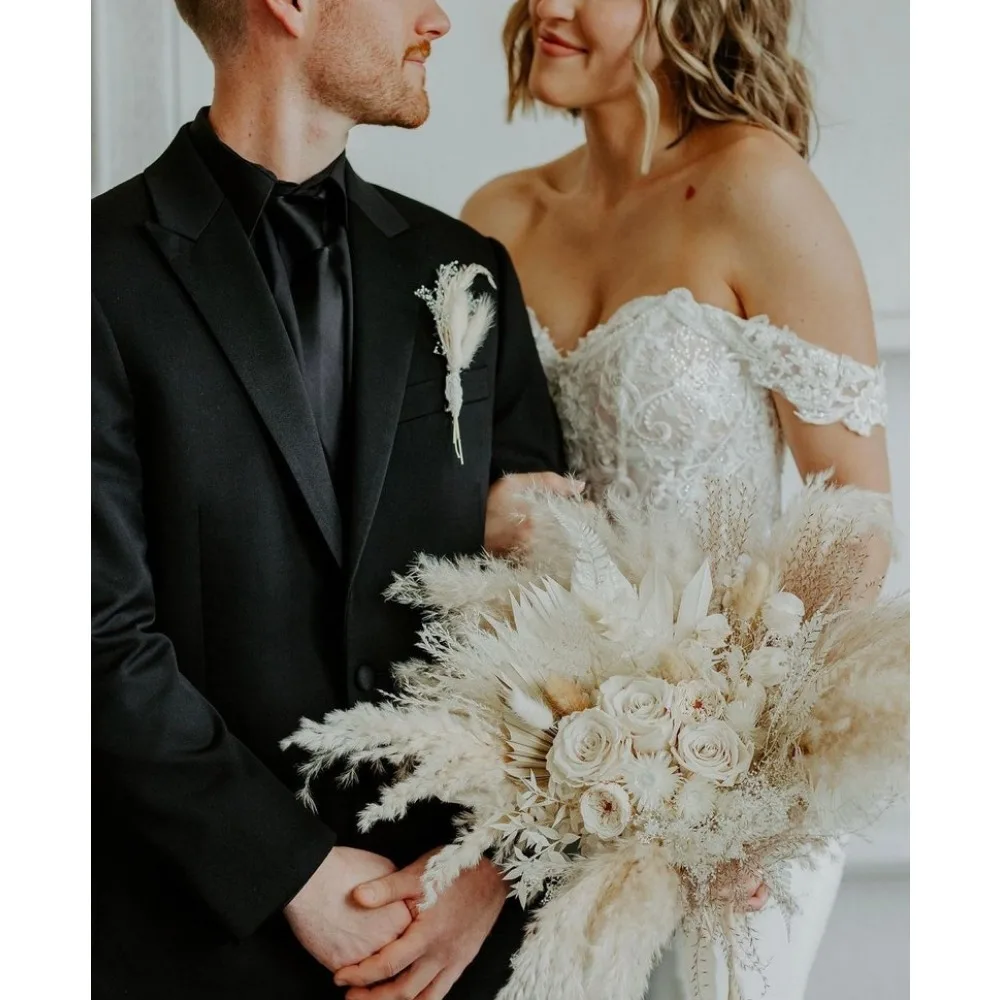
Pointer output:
x,y
605,810
767,665
643,705
588,747
782,614
713,750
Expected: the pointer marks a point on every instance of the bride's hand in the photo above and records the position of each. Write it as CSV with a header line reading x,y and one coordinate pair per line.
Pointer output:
x,y
752,889
508,526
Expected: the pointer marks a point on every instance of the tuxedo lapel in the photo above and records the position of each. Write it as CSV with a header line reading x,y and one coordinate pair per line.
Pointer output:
x,y
202,240
385,266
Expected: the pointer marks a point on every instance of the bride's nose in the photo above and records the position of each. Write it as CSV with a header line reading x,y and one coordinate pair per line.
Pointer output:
x,y
555,10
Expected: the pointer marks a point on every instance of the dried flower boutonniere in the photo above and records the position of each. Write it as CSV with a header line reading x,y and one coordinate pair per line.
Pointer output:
x,y
462,320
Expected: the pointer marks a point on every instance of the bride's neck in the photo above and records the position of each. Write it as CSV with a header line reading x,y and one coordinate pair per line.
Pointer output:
x,y
616,135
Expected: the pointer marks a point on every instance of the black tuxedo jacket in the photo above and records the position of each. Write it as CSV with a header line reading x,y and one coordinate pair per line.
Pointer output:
x,y
232,596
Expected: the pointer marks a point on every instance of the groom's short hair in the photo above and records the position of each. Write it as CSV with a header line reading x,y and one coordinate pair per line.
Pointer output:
x,y
219,24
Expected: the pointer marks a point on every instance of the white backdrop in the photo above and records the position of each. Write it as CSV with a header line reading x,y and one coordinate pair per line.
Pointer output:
x,y
150,76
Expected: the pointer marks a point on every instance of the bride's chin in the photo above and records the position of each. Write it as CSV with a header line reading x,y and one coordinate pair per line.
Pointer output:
x,y
555,97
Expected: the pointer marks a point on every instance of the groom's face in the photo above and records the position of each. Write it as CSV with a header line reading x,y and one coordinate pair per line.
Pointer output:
x,y
367,58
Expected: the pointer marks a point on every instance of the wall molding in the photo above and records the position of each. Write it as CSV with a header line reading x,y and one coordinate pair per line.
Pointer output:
x,y
135,72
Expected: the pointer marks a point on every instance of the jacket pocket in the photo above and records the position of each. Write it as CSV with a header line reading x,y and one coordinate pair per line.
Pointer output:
x,y
424,398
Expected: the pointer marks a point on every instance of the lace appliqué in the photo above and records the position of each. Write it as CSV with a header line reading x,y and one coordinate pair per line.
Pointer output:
x,y
824,387
669,393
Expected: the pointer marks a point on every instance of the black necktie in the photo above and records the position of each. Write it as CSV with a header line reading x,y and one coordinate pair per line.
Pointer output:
x,y
309,230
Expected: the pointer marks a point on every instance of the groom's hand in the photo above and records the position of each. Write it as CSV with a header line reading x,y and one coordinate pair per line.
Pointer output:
x,y
508,526
442,940
330,925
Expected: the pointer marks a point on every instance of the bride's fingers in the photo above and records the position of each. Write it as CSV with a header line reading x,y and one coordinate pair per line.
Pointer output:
x,y
414,981
759,899
387,963
750,887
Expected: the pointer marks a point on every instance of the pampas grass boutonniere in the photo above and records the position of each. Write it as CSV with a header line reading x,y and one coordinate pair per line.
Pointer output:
x,y
462,320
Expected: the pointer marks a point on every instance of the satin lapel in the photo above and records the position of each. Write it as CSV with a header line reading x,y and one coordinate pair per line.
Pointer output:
x,y
214,261
386,309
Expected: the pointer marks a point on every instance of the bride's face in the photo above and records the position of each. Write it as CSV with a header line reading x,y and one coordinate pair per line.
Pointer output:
x,y
583,50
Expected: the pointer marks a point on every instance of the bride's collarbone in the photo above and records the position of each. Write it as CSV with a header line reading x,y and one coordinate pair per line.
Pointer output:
x,y
578,285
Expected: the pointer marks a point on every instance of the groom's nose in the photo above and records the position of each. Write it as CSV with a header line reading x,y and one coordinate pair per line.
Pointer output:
x,y
433,22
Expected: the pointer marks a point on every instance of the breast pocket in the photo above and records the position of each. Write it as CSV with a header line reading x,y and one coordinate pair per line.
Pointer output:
x,y
422,399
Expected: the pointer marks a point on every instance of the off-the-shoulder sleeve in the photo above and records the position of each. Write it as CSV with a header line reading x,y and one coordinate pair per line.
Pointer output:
x,y
823,386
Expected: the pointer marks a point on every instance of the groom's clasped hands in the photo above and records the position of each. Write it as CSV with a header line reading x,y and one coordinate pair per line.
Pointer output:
x,y
359,917
440,942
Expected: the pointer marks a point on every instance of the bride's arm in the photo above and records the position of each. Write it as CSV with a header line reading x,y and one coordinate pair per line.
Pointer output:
x,y
794,261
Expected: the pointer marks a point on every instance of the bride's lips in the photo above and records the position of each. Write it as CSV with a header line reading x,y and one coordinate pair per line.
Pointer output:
x,y
552,45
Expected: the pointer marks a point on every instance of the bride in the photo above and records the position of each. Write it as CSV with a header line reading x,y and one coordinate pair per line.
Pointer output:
x,y
697,301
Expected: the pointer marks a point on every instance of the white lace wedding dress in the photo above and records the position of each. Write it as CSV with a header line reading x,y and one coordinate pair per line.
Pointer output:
x,y
665,394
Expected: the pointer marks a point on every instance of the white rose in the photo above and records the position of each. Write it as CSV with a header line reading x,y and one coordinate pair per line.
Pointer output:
x,y
782,614
588,746
605,810
644,706
698,701
713,631
767,665
714,751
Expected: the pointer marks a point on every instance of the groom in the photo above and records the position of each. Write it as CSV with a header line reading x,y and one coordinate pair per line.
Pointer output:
x,y
270,443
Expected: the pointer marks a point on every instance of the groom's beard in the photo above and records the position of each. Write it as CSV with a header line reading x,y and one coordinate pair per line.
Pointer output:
x,y
367,82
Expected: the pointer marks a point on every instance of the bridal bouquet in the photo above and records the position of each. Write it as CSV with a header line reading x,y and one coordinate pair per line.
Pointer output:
x,y
637,716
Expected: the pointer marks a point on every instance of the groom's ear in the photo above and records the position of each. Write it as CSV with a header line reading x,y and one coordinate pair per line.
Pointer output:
x,y
291,14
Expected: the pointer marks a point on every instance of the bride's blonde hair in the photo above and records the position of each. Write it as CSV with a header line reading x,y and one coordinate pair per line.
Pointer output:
x,y
725,60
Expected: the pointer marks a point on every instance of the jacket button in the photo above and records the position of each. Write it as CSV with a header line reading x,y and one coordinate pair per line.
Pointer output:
x,y
365,677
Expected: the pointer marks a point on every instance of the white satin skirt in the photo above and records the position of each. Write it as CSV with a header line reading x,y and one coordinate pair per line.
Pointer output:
x,y
787,956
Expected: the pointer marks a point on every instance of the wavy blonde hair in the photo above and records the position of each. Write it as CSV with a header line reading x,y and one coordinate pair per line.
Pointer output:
x,y
725,61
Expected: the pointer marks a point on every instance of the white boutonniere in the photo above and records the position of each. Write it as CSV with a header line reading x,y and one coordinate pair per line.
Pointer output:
x,y
462,320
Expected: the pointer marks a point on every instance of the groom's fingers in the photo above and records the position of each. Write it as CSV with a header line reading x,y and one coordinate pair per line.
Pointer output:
x,y
390,961
401,885
409,985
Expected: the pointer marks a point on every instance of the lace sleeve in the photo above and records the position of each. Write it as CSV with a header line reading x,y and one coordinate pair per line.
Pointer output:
x,y
824,387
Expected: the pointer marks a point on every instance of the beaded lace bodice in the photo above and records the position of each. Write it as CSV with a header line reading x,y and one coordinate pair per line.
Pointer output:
x,y
670,392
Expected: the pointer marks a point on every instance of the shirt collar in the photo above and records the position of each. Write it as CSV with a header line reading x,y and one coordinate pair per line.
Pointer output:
x,y
248,186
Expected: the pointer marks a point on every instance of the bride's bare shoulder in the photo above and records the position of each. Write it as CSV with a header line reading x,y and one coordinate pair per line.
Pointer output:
x,y
506,207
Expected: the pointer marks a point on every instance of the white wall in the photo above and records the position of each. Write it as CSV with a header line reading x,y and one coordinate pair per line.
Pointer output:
x,y
150,76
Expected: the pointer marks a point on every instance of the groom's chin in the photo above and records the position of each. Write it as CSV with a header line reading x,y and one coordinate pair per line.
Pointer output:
x,y
411,115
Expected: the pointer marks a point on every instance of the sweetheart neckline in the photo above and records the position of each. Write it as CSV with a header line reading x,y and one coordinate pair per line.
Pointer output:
x,y
678,291
686,296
